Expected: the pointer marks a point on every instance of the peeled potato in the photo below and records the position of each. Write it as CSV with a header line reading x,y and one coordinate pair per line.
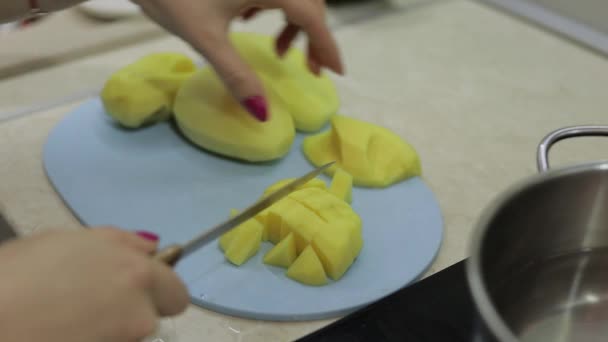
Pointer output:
x,y
208,116
143,92
211,118
311,100
373,155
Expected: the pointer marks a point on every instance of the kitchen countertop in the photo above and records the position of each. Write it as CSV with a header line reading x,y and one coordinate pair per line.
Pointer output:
x,y
472,89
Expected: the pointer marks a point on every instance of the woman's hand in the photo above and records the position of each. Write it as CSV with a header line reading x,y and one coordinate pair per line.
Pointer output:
x,y
204,24
92,285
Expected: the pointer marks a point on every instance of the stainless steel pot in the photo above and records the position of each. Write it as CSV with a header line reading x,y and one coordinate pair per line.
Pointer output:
x,y
538,269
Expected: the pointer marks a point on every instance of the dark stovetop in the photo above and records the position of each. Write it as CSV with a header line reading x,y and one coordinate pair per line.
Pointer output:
x,y
437,308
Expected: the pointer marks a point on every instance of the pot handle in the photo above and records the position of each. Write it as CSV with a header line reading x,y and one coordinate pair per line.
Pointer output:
x,y
542,155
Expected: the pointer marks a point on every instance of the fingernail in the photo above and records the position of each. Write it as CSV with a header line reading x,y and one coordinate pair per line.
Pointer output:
x,y
256,105
147,235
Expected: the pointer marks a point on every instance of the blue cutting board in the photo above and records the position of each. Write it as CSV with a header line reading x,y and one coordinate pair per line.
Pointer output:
x,y
153,179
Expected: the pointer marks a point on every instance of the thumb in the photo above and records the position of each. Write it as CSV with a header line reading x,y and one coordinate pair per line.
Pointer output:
x,y
236,74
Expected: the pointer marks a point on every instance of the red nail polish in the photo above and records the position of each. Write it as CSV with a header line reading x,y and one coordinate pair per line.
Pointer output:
x,y
256,105
147,235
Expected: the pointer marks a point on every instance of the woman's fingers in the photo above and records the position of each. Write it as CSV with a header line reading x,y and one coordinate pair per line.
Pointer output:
x,y
145,242
238,76
168,292
314,63
285,38
310,17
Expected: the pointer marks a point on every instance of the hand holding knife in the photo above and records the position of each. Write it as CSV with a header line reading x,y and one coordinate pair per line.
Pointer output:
x,y
173,253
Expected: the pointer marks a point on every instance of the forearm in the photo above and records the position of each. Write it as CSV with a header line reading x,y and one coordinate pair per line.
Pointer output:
x,y
11,10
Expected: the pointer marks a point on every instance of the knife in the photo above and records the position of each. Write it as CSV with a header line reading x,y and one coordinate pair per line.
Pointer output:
x,y
173,253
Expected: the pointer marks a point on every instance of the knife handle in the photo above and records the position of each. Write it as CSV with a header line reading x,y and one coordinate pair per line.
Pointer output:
x,y
169,255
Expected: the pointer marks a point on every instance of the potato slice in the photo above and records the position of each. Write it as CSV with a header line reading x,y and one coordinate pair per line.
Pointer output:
x,y
373,155
307,269
282,254
342,185
245,243
303,223
335,249
353,137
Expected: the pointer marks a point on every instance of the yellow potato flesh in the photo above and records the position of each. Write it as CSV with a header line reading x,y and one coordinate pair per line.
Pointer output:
x,y
315,221
211,118
245,243
373,155
334,211
311,100
334,248
144,91
322,148
303,223
283,253
315,182
273,226
307,269
342,185
353,137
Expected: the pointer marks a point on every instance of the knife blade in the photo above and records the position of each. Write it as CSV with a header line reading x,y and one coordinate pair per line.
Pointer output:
x,y
172,253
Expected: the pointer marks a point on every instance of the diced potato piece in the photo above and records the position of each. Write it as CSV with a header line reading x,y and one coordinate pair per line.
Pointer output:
x,y
307,269
283,254
274,219
353,139
342,185
303,223
319,201
273,226
245,243
285,230
335,250
272,222
227,237
315,182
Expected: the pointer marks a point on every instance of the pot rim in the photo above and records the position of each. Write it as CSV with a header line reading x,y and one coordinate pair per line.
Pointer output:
x,y
493,321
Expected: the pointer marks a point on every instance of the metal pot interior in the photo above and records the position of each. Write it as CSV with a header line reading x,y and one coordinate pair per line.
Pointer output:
x,y
539,264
